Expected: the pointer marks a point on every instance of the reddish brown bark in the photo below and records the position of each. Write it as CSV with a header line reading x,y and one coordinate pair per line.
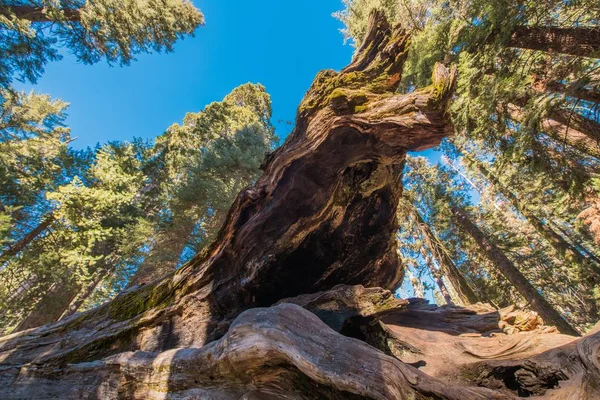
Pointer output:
x,y
560,244
576,41
512,274
458,281
592,95
563,133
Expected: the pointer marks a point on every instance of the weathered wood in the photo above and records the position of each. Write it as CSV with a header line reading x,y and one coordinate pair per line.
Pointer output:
x,y
280,352
509,350
323,213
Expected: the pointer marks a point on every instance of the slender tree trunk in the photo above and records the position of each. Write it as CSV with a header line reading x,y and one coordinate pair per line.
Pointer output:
x,y
458,281
437,277
444,290
563,133
562,246
164,256
512,274
37,14
50,307
85,293
416,284
17,247
576,91
575,41
571,119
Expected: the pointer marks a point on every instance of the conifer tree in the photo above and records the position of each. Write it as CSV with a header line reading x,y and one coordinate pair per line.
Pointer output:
x,y
32,31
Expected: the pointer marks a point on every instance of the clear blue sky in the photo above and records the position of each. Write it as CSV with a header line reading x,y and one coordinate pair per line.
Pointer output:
x,y
281,44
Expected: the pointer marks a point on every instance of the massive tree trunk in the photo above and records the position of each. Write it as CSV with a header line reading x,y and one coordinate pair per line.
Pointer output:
x,y
512,274
562,246
576,41
322,214
458,281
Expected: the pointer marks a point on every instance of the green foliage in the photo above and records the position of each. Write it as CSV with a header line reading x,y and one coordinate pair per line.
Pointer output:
x,y
110,214
116,30
503,100
207,161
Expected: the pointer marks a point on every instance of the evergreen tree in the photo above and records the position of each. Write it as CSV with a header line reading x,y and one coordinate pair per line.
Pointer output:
x,y
32,31
204,164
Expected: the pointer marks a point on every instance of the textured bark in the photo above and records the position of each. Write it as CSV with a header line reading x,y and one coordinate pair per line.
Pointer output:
x,y
508,350
288,352
575,41
437,277
323,213
578,122
512,274
37,14
458,281
281,352
562,246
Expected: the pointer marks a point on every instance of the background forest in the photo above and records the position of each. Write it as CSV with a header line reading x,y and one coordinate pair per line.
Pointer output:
x,y
507,211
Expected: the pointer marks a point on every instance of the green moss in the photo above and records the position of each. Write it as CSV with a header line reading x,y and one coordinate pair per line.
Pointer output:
x,y
359,109
138,301
337,93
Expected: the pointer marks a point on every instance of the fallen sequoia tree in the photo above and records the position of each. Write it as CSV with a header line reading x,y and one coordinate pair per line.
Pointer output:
x,y
277,306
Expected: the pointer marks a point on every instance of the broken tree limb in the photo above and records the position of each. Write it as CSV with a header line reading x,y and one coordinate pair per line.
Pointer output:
x,y
322,214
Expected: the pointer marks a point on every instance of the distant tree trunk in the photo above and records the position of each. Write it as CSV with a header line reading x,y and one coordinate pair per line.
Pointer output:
x,y
563,133
512,274
575,41
444,290
562,246
573,90
17,247
569,118
86,292
458,281
164,255
37,14
64,298
437,277
416,284
50,307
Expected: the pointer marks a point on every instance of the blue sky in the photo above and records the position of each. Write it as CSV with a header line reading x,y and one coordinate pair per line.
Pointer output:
x,y
279,43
